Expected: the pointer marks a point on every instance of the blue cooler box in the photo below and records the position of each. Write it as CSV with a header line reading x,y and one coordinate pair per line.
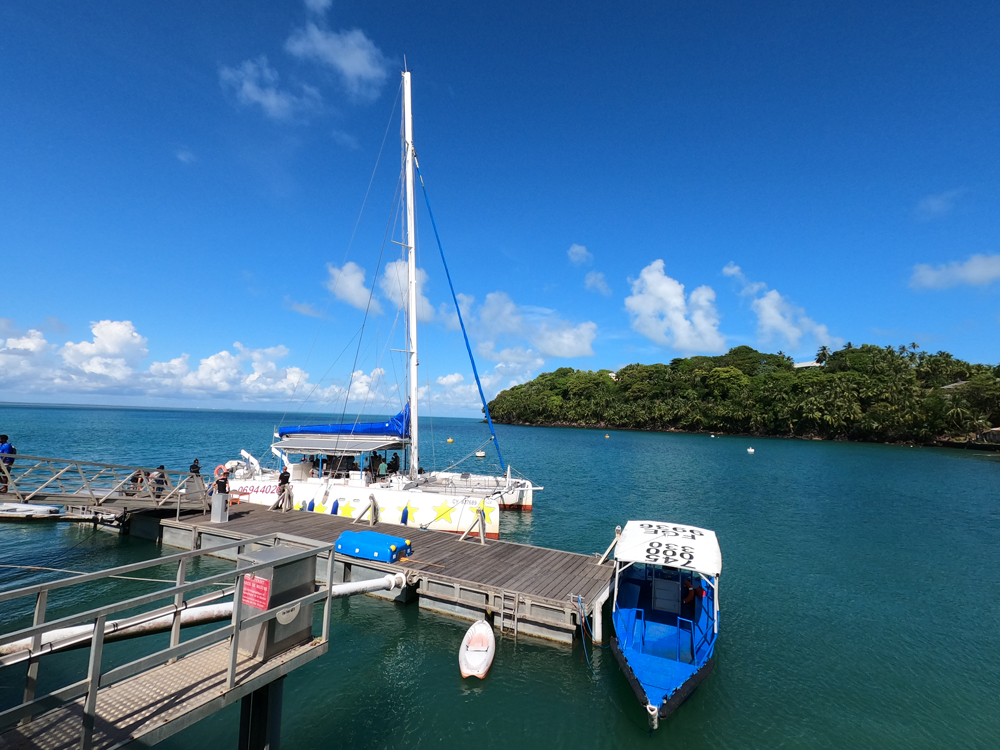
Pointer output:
x,y
371,545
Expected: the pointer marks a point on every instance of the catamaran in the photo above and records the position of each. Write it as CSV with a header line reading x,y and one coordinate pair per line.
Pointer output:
x,y
345,469
666,611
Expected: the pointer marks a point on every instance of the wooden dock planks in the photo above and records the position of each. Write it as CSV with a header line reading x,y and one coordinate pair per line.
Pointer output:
x,y
535,572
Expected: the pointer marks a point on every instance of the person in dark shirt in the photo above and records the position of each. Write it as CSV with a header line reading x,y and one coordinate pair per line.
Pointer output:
x,y
222,483
284,501
7,453
195,468
394,463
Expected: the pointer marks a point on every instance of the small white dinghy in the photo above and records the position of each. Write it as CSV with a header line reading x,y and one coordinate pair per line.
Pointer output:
x,y
478,648
480,454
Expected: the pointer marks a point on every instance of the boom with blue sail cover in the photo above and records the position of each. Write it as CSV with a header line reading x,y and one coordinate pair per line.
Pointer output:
x,y
397,426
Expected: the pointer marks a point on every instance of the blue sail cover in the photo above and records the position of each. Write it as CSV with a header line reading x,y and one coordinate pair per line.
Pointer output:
x,y
397,426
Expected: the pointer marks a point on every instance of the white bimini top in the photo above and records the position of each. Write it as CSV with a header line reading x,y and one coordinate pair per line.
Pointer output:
x,y
670,545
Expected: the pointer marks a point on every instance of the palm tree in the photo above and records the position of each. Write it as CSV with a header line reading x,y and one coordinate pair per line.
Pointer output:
x,y
823,354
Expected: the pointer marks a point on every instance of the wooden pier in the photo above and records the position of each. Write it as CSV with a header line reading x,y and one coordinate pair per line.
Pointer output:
x,y
523,589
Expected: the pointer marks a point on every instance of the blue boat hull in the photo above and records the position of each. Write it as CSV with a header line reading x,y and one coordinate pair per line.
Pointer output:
x,y
670,704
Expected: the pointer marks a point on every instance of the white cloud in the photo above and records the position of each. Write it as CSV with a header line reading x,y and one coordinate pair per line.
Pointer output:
x,y
345,139
348,285
938,205
303,308
318,6
33,341
185,155
661,312
450,317
115,349
978,270
749,287
567,341
451,380
579,254
256,82
394,286
595,282
109,364
361,65
779,317
549,334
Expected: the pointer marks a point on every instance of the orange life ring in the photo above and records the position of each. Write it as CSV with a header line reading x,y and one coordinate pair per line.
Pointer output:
x,y
218,470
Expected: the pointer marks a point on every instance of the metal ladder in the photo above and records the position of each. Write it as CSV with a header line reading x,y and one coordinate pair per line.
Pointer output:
x,y
508,613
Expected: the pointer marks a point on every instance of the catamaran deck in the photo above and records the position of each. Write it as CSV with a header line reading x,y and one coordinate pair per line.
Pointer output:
x,y
526,589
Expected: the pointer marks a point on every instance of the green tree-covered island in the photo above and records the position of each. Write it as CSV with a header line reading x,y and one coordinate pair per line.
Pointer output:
x,y
866,393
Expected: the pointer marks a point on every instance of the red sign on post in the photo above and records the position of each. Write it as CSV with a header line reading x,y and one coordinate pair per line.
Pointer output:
x,y
256,591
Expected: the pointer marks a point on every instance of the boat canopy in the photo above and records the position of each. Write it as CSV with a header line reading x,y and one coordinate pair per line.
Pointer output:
x,y
670,545
398,427
335,445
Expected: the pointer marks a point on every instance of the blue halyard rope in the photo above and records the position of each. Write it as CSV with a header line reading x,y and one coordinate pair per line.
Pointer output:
x,y
458,309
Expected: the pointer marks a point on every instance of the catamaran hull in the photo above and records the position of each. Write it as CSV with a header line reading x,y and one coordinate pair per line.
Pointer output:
x,y
517,497
672,703
435,511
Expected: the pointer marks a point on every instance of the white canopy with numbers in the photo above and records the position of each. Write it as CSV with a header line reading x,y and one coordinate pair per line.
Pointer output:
x,y
671,545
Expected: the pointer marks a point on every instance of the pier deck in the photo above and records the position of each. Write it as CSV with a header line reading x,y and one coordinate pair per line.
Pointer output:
x,y
532,590
149,707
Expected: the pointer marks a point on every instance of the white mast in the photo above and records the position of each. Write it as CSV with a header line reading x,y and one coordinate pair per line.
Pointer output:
x,y
411,258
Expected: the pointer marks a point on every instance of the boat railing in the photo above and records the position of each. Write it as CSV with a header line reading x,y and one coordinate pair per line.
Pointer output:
x,y
690,632
638,617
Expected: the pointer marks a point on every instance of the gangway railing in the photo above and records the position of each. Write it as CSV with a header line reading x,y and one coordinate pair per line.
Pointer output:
x,y
37,478
98,677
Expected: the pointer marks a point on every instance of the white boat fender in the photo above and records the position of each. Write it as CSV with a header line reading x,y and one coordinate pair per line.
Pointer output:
x,y
653,715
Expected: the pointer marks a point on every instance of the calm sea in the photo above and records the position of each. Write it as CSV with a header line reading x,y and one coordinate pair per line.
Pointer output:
x,y
859,591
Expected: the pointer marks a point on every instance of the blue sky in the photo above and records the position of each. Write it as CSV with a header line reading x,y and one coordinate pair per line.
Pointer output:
x,y
180,185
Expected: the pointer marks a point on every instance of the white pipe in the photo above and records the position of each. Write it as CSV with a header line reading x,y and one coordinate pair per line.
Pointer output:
x,y
387,583
114,630
118,629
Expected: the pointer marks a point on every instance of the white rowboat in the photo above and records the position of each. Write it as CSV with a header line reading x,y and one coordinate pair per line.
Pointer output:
x,y
477,650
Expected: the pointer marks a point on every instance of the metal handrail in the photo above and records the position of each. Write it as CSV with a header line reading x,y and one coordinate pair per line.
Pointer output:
x,y
30,476
99,616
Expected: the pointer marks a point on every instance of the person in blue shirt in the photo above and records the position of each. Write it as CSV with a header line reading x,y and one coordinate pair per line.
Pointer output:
x,y
7,452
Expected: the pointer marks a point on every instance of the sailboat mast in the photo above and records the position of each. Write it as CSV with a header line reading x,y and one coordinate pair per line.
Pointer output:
x,y
411,259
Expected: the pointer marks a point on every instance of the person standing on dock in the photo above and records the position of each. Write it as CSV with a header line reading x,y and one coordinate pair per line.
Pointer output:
x,y
284,501
7,453
195,468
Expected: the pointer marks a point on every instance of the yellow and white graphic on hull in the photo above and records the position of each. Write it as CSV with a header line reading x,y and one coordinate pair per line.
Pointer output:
x,y
423,509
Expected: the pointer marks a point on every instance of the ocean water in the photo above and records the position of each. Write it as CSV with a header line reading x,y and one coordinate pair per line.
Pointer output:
x,y
859,591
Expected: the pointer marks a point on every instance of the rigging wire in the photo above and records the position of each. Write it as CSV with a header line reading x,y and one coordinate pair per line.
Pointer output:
x,y
458,309
347,253
368,306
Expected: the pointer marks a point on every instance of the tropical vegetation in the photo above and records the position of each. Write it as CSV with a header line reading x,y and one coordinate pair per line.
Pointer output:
x,y
868,393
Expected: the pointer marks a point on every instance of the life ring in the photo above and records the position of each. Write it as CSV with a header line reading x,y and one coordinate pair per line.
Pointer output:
x,y
218,470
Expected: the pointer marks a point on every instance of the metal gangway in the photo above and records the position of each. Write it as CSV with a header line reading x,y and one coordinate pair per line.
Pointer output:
x,y
37,479
150,698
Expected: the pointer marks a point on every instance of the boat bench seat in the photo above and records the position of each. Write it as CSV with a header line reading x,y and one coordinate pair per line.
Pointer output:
x,y
479,642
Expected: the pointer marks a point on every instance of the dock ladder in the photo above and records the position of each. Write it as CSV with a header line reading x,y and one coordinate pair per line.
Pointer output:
x,y
508,612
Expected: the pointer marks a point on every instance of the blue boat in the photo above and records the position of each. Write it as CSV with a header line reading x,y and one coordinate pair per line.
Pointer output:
x,y
666,611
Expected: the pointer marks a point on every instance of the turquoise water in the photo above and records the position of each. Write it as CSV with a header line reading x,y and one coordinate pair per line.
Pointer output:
x,y
858,592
